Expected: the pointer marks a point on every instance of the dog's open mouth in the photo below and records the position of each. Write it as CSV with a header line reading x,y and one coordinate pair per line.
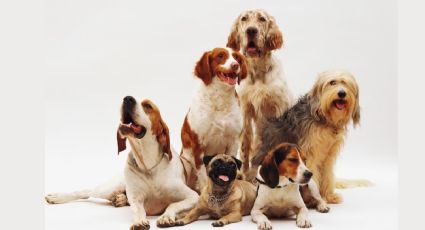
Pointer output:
x,y
230,78
138,131
340,104
252,49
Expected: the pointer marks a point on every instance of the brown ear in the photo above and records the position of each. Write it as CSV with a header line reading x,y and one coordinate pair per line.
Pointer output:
x,y
121,142
244,69
274,37
202,68
269,172
160,129
356,112
233,39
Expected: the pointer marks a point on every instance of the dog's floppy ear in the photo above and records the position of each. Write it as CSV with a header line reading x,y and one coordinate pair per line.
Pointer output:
x,y
207,159
274,37
121,142
238,162
243,65
269,171
160,129
313,98
202,68
356,112
233,39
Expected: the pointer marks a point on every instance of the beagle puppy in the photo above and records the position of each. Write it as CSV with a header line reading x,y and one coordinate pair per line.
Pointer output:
x,y
280,176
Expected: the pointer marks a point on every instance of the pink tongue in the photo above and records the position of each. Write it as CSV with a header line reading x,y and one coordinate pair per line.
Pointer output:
x,y
252,50
231,81
340,105
223,177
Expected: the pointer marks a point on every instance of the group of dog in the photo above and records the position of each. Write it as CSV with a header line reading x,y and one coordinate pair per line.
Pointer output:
x,y
287,148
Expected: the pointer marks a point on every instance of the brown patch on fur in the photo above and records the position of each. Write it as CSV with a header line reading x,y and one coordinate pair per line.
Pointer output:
x,y
121,142
159,128
288,167
190,140
274,38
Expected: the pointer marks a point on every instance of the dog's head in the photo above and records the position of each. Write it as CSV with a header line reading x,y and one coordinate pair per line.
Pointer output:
x,y
285,162
335,97
255,33
139,118
228,65
222,169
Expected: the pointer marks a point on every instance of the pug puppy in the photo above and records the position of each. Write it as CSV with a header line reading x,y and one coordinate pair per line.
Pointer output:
x,y
225,198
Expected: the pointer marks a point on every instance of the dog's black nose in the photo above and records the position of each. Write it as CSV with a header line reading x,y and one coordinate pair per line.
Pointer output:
x,y
342,94
129,99
251,31
308,174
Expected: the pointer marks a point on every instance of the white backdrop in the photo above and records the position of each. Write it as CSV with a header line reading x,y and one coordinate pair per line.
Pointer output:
x,y
100,51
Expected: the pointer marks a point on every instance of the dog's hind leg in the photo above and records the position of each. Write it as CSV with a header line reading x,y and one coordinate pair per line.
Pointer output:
x,y
113,190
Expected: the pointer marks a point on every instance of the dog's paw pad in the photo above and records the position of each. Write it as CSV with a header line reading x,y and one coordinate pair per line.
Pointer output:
x,y
323,208
166,221
266,225
303,223
144,225
334,198
119,200
218,223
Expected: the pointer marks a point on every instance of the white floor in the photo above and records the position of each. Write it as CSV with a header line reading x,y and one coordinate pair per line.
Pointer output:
x,y
364,208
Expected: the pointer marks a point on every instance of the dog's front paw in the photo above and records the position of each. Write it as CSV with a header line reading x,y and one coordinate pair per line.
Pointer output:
x,y
179,223
166,221
323,207
265,225
143,225
218,223
334,198
119,200
303,222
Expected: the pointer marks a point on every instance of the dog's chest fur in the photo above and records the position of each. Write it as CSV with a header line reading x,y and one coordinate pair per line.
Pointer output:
x,y
215,117
265,91
280,201
321,139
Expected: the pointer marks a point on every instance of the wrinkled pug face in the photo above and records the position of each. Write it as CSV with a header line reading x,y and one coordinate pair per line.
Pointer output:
x,y
222,169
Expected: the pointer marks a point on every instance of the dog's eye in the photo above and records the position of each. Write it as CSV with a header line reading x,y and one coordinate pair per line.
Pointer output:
x,y
293,160
263,19
333,82
216,163
243,18
221,55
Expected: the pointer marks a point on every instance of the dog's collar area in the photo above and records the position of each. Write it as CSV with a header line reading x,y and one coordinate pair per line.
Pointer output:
x,y
264,183
214,200
132,162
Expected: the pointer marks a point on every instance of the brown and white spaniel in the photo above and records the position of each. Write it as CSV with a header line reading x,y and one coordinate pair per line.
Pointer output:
x,y
213,124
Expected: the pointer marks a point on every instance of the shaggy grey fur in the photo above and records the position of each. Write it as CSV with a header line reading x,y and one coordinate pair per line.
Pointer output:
x,y
289,127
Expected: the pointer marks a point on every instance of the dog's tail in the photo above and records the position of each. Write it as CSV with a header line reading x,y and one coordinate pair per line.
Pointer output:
x,y
352,183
